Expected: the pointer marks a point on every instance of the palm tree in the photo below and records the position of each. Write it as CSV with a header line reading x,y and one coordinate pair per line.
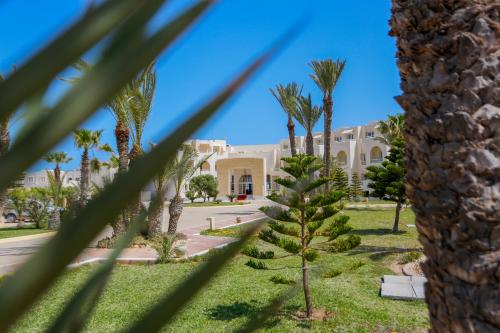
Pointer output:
x,y
4,146
179,171
307,116
448,55
58,157
287,97
391,129
87,140
140,100
56,193
326,75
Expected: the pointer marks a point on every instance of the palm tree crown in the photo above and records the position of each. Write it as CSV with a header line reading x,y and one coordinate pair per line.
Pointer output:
x,y
140,100
57,157
307,114
391,129
87,139
287,96
326,74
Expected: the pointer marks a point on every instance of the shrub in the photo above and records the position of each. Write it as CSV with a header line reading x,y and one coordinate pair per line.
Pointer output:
x,y
357,264
410,257
331,273
280,279
231,197
253,251
192,196
256,264
164,245
345,244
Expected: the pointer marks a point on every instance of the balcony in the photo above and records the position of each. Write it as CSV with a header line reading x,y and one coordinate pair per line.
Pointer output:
x,y
375,160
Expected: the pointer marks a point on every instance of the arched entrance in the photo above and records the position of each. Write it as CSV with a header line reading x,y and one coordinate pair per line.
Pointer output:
x,y
245,185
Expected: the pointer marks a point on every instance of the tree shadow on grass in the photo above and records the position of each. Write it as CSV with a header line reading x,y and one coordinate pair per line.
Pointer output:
x,y
380,252
227,312
377,232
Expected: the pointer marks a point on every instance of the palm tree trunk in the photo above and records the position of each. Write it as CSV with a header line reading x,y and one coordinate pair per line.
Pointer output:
x,y
57,173
154,227
55,219
448,54
291,134
309,143
328,111
122,136
395,227
135,206
175,211
84,177
4,146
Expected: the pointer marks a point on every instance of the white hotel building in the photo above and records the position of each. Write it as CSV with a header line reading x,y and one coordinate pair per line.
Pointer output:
x,y
250,169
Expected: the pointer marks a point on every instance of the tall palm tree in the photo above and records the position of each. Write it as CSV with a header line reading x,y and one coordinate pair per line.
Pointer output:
x,y
391,129
140,101
448,55
4,146
326,75
118,107
287,97
180,170
58,157
307,116
55,189
86,140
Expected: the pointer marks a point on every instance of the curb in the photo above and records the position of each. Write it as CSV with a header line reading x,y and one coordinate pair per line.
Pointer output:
x,y
27,237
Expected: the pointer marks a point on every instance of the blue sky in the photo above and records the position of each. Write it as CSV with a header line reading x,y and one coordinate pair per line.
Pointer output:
x,y
222,43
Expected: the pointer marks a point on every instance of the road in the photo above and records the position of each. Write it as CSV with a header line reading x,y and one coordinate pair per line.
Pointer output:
x,y
13,252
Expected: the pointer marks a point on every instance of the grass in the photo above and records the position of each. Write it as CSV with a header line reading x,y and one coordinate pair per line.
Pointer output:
x,y
212,204
24,231
240,291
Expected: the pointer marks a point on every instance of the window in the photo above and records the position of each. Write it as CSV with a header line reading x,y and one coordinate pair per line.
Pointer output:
x,y
205,166
338,138
350,137
246,186
77,179
31,180
363,158
42,179
370,134
285,146
70,178
376,155
268,182
342,158
232,183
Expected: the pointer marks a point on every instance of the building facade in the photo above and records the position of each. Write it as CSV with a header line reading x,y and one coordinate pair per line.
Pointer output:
x,y
251,169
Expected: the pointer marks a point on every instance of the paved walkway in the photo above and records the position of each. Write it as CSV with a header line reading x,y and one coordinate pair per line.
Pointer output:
x,y
14,251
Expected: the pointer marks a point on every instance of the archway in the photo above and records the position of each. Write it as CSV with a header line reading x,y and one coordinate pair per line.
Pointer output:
x,y
375,155
342,158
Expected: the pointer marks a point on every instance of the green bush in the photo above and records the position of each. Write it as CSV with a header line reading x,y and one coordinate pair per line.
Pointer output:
x,y
410,257
280,279
256,264
345,244
231,197
331,273
253,251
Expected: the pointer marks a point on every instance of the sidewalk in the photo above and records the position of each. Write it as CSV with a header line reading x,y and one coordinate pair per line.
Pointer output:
x,y
22,247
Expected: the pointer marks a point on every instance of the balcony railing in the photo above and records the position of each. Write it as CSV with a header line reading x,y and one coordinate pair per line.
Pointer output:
x,y
375,160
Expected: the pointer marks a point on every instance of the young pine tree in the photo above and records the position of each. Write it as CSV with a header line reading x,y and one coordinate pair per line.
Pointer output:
x,y
387,180
295,228
340,181
356,189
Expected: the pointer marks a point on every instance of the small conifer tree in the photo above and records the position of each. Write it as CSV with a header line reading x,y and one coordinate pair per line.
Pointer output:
x,y
340,181
310,214
356,190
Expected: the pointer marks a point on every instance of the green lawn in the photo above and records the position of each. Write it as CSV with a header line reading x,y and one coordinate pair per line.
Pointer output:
x,y
16,232
239,291
212,204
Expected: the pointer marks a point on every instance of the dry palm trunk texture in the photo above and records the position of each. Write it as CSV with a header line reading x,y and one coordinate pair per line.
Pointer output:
x,y
291,134
4,146
175,211
122,136
84,178
449,59
328,113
